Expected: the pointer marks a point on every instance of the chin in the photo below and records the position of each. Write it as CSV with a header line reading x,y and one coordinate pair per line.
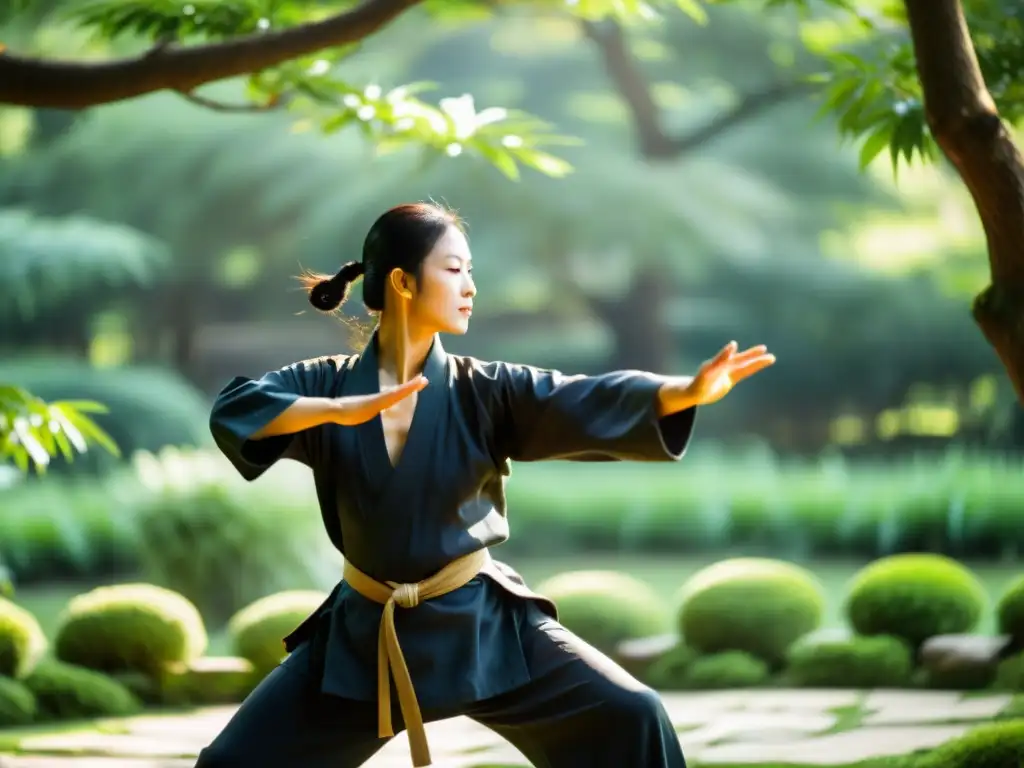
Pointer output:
x,y
458,327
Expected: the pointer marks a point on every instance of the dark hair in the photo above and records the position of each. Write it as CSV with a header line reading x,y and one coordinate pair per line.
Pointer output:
x,y
401,238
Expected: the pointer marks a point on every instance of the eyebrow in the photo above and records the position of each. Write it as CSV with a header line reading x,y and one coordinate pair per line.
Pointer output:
x,y
467,259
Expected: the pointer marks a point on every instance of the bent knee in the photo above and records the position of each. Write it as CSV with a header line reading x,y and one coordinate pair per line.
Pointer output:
x,y
639,705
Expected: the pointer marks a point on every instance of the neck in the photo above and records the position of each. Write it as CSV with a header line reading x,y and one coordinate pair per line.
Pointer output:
x,y
402,346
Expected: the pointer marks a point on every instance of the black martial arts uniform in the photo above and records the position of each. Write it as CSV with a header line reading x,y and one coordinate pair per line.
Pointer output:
x,y
492,650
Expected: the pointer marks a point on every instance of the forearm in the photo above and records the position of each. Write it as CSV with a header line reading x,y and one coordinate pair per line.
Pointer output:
x,y
675,395
304,413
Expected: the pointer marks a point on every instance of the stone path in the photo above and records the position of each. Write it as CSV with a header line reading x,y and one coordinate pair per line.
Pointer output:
x,y
814,728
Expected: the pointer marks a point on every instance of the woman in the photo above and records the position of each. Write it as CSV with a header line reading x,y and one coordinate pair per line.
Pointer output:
x,y
410,448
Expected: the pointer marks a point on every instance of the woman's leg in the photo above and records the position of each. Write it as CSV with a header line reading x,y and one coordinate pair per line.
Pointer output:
x,y
286,721
586,713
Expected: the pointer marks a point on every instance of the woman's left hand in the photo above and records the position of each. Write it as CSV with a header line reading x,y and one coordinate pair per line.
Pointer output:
x,y
720,374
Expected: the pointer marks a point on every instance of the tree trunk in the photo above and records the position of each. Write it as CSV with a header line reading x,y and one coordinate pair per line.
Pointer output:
x,y
965,123
643,341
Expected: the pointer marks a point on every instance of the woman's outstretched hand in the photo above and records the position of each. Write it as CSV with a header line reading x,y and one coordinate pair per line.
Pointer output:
x,y
721,373
358,409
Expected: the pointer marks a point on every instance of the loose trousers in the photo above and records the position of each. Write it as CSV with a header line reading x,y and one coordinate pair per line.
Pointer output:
x,y
586,713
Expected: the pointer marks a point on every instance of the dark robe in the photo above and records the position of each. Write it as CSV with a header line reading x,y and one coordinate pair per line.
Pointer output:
x,y
443,499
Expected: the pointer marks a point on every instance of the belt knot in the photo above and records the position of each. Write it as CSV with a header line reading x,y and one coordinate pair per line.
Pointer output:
x,y
407,595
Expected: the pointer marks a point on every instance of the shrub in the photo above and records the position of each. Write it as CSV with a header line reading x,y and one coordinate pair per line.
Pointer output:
x,y
1010,610
258,630
148,407
668,673
22,642
1010,674
755,605
17,704
69,528
995,745
856,662
130,627
67,692
730,669
222,542
914,597
604,608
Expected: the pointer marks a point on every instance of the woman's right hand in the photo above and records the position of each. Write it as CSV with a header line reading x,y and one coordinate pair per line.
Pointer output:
x,y
358,409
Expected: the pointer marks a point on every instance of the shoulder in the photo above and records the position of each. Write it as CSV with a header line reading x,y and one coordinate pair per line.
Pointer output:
x,y
494,372
322,364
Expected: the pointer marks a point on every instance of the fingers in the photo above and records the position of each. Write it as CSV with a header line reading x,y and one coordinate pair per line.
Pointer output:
x,y
725,354
751,366
396,394
747,355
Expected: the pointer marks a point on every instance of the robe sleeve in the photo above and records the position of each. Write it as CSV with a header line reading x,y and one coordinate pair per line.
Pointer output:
x,y
247,405
542,414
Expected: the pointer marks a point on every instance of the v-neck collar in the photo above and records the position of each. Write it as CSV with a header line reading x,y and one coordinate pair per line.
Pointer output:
x,y
374,449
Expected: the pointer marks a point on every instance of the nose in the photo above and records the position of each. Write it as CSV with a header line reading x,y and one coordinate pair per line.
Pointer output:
x,y
469,287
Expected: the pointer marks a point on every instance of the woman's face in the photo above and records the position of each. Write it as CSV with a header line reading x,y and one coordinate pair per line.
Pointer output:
x,y
442,297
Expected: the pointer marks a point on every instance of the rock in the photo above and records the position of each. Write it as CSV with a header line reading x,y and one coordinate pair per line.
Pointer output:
x,y
962,662
637,656
209,680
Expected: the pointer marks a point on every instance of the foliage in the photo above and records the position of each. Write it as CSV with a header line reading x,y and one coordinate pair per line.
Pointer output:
x,y
871,79
17,704
70,529
755,605
68,692
668,672
223,543
22,642
130,627
50,264
605,608
1010,674
729,669
967,506
316,89
258,630
144,408
33,432
855,662
915,597
995,745
1010,609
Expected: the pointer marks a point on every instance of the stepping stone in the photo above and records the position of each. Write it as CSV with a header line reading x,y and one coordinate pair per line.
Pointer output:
x,y
937,709
113,744
833,749
804,699
759,727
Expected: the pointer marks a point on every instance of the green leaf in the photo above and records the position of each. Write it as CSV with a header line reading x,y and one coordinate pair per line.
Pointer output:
x,y
500,159
542,161
875,143
694,10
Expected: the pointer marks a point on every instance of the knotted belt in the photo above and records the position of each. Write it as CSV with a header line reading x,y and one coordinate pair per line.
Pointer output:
x,y
389,653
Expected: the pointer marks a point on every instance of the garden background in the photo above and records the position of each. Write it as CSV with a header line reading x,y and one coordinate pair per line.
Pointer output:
x,y
846,522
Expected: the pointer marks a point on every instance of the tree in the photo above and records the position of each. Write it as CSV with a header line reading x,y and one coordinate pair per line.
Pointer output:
x,y
937,88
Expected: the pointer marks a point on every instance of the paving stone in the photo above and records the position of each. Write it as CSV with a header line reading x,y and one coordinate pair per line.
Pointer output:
x,y
725,727
834,749
807,699
929,711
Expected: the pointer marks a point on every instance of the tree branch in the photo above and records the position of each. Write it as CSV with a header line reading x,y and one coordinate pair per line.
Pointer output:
x,y
220,106
76,85
631,84
965,123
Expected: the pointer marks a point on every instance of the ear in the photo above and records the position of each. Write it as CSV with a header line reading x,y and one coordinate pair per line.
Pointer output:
x,y
401,282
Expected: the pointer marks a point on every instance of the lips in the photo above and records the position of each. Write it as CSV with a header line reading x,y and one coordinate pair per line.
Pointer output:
x,y
466,310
